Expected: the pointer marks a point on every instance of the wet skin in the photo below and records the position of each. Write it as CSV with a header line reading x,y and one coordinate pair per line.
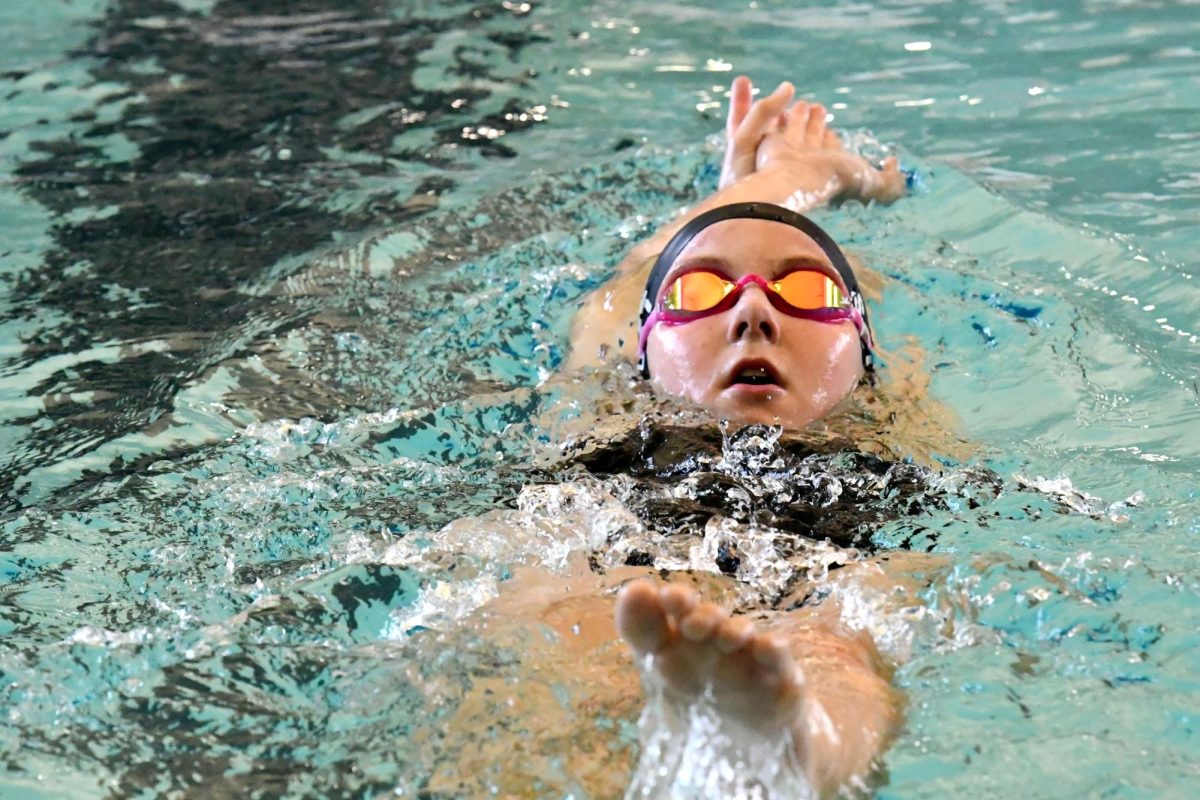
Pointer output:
x,y
813,365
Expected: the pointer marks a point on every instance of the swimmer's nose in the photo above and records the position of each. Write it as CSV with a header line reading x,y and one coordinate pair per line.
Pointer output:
x,y
753,317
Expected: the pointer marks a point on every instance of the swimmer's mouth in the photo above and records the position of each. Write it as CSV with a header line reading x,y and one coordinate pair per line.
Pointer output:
x,y
754,373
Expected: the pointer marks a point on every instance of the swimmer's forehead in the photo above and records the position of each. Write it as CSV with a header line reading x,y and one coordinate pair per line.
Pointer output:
x,y
750,245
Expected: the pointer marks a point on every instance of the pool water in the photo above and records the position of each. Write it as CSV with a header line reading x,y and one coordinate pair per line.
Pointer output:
x,y
285,286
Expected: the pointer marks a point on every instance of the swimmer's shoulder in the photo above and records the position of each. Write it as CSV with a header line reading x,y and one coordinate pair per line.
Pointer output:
x,y
605,326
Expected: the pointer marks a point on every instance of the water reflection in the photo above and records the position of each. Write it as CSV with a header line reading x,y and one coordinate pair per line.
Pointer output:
x,y
230,141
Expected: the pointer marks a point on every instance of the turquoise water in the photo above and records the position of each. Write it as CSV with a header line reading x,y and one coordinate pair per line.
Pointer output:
x,y
247,374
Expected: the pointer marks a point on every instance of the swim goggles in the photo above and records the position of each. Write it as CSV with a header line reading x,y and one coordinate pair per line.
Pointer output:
x,y
701,292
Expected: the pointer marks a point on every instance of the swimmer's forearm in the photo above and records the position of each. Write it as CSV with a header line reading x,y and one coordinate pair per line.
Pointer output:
x,y
850,710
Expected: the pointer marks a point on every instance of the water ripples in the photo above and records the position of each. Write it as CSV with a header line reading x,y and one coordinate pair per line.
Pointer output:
x,y
285,294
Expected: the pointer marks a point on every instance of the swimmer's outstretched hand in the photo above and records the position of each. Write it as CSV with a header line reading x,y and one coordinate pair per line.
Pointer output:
x,y
803,143
794,141
818,687
752,675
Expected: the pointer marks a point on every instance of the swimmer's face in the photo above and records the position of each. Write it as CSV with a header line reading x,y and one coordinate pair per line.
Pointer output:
x,y
721,361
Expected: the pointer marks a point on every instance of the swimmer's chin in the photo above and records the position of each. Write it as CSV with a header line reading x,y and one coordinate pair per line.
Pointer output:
x,y
755,405
765,413
772,409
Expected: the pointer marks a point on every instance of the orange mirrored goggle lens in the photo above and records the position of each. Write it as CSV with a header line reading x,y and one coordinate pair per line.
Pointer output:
x,y
696,291
803,289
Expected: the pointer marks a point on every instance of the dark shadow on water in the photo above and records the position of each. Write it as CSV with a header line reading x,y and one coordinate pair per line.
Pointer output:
x,y
245,123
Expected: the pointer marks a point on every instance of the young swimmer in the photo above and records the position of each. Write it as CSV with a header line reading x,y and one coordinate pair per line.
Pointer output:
x,y
765,326
746,308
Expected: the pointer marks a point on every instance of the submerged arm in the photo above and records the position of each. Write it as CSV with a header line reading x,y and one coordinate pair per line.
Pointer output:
x,y
850,710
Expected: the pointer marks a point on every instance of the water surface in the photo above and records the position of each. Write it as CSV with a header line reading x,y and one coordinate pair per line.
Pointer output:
x,y
283,286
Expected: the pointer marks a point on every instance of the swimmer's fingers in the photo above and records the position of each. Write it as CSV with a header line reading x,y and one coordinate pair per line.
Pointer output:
x,y
678,600
814,133
796,124
884,185
741,97
739,154
749,121
892,182
764,114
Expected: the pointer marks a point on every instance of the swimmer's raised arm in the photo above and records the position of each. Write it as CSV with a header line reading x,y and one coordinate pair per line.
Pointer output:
x,y
778,152
785,155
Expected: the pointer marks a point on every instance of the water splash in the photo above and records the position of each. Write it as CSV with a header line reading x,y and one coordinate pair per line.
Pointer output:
x,y
689,750
1063,491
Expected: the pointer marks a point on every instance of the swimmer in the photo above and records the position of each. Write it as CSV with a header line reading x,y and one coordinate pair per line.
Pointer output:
x,y
747,309
744,307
